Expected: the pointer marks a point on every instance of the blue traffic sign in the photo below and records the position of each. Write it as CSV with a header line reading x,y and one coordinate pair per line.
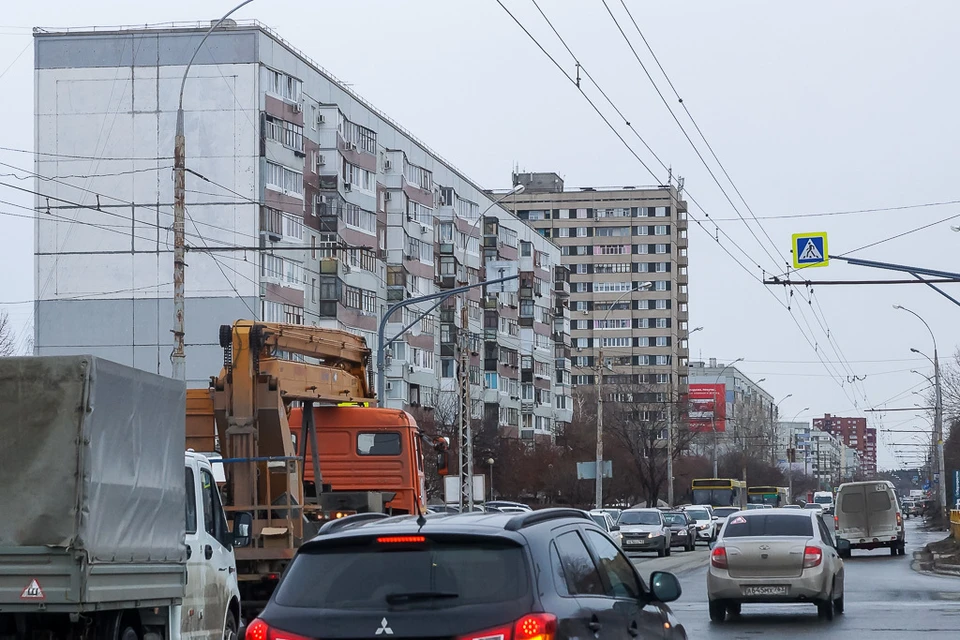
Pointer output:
x,y
810,250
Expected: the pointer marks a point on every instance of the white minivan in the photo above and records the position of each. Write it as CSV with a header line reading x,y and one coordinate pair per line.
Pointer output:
x,y
869,516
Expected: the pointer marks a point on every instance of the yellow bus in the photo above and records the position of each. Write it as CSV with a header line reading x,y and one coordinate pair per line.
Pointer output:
x,y
773,496
720,492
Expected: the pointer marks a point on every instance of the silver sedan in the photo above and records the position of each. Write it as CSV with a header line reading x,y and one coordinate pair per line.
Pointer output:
x,y
775,555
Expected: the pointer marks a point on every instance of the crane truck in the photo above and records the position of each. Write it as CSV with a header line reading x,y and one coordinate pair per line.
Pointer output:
x,y
290,417
110,531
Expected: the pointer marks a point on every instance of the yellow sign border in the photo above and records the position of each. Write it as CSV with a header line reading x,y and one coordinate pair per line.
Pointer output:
x,y
813,234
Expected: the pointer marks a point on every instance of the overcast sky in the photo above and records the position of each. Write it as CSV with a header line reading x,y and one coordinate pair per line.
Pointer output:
x,y
813,107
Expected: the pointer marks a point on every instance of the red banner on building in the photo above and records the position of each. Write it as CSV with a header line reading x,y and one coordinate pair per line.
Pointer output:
x,y
708,407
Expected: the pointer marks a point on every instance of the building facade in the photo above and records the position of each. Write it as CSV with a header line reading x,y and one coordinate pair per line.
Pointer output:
x,y
751,414
826,454
625,250
789,436
305,205
854,433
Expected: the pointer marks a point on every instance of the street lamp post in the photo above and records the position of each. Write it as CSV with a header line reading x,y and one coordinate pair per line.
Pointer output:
x,y
937,415
178,359
714,417
598,367
490,462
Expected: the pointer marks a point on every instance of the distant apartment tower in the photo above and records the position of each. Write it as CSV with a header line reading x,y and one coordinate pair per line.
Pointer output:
x,y
305,204
853,433
613,241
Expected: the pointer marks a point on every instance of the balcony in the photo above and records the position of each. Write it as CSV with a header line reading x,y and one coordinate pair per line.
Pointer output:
x,y
561,288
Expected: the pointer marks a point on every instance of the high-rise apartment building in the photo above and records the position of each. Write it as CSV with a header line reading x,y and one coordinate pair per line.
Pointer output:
x,y
305,204
854,433
626,252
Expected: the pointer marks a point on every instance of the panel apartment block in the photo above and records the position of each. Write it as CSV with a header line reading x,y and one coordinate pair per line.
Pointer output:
x,y
305,204
613,242
854,433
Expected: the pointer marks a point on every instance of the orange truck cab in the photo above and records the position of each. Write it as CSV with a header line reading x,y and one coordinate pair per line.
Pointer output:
x,y
371,459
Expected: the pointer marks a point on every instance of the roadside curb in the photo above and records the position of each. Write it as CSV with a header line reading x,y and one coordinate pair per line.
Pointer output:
x,y
926,562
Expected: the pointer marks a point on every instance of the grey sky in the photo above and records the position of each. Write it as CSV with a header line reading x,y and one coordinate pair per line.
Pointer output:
x,y
813,107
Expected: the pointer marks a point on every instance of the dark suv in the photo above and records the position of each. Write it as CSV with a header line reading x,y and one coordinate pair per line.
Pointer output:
x,y
546,574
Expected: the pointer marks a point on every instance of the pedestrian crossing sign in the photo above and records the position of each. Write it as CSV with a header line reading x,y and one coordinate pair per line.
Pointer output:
x,y
810,250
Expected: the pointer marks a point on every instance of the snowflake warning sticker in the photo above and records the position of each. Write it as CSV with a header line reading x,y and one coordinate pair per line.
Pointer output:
x,y
739,520
33,591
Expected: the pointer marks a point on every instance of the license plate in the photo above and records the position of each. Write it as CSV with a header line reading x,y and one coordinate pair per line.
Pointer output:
x,y
635,541
773,590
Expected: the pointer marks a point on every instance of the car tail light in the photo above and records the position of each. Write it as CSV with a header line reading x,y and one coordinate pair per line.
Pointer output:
x,y
401,539
535,626
260,630
812,556
836,522
899,519
718,557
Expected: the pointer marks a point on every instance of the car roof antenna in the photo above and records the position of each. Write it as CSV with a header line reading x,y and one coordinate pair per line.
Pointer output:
x,y
421,520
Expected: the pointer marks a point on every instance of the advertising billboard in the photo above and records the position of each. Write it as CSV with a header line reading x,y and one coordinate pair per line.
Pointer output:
x,y
708,406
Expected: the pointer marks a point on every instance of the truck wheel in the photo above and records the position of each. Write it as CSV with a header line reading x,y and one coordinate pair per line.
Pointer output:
x,y
230,628
129,633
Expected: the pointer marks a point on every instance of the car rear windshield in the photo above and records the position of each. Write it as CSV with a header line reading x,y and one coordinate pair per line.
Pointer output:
x,y
375,575
674,518
769,525
639,517
723,512
699,514
600,520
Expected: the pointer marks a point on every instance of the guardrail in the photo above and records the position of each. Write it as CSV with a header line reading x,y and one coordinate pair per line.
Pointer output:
x,y
955,524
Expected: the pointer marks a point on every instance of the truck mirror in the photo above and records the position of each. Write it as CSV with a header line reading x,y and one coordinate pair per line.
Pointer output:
x,y
442,464
242,529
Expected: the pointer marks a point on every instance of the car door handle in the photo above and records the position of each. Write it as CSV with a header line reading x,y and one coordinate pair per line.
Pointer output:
x,y
633,630
223,568
189,551
208,552
594,625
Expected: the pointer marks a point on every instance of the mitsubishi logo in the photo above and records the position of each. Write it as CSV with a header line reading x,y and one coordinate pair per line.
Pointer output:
x,y
384,628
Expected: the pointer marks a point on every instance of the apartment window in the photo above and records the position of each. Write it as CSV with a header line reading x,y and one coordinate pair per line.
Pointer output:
x,y
660,285
581,232
609,232
581,213
660,304
526,249
581,343
612,323
358,177
661,230
313,289
313,117
661,248
612,287
447,369
418,176
581,287
612,267
663,360
283,179
663,341
360,137
663,323
660,212
582,268
642,249
419,212
661,267
642,230
283,85
286,133
615,342
354,216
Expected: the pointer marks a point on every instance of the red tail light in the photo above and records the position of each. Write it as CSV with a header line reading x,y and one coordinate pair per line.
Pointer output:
x,y
260,630
535,626
718,557
899,519
401,539
836,522
812,557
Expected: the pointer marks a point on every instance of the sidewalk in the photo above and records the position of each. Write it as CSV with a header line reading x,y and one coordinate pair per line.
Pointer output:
x,y
941,556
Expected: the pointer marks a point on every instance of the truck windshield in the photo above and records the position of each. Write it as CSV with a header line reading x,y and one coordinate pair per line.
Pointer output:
x,y
715,497
823,499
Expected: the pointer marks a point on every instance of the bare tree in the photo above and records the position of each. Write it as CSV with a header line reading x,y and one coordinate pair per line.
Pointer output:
x,y
8,337
637,416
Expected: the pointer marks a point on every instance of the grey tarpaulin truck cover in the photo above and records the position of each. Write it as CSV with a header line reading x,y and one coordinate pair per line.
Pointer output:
x,y
91,460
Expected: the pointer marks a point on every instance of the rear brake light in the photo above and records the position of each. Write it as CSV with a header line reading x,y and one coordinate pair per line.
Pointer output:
x,y
401,539
899,519
718,557
812,556
260,630
535,626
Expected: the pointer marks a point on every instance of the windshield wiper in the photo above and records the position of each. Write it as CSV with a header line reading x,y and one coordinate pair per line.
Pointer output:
x,y
419,596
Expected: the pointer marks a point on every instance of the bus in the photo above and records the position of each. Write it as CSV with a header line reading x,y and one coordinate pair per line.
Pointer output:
x,y
773,496
720,492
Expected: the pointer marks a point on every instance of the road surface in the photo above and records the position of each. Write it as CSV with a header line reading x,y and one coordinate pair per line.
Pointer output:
x,y
885,599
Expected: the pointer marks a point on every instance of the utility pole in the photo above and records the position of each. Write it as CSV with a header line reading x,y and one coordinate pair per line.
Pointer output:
x,y
670,443
465,428
178,359
938,429
598,498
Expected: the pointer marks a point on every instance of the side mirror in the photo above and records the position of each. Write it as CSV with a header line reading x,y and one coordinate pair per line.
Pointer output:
x,y
713,543
716,517
843,546
664,586
615,527
242,528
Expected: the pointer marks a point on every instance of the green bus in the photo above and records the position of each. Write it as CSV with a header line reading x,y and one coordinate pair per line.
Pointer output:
x,y
773,496
720,492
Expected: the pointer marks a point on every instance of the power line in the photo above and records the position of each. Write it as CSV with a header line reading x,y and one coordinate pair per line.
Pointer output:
x,y
850,212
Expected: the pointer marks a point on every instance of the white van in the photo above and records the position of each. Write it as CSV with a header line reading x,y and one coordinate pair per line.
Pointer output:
x,y
869,516
825,500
